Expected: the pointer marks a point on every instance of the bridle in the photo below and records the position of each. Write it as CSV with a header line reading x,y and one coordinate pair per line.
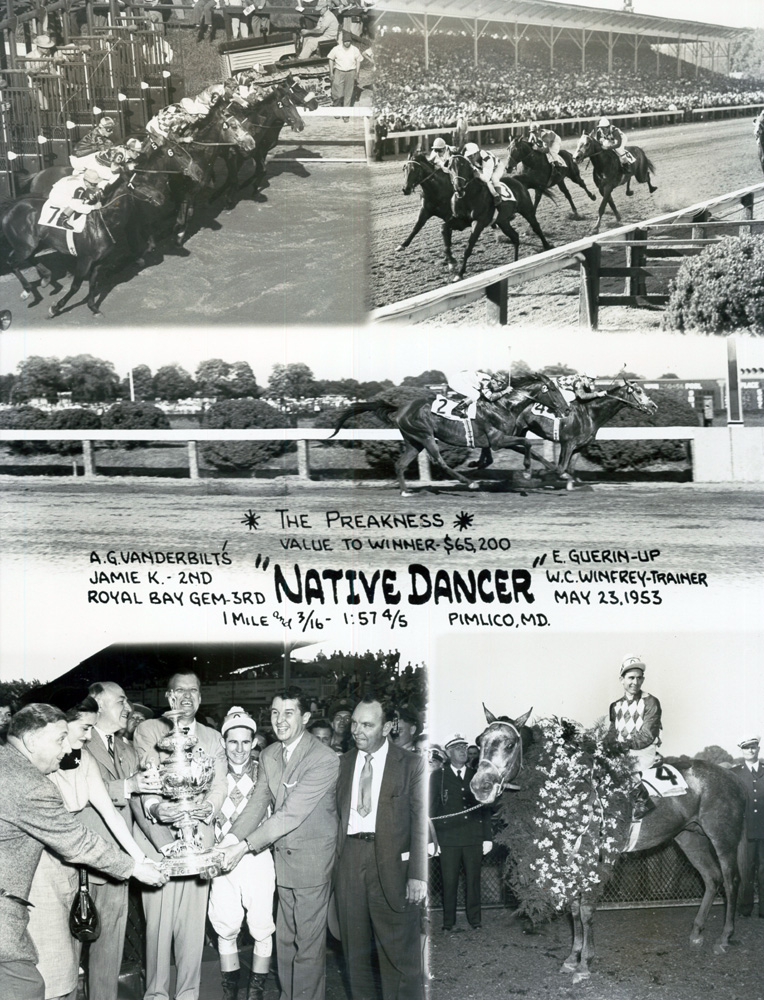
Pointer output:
x,y
430,172
460,183
515,755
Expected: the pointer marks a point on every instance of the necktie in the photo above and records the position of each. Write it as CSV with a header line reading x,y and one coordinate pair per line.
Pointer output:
x,y
460,772
286,756
110,745
364,788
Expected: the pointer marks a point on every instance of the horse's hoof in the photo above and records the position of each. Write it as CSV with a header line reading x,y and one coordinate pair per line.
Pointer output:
x,y
406,493
399,248
569,967
52,312
44,282
592,197
581,977
25,296
720,948
696,942
652,190
456,277
473,486
629,194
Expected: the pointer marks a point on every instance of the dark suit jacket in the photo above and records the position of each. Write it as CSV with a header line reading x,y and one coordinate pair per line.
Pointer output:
x,y
401,820
754,800
32,816
449,795
303,826
113,773
152,836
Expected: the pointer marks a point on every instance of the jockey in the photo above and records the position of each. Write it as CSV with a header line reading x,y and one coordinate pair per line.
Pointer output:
x,y
635,723
440,154
96,139
76,193
489,169
611,137
547,141
758,124
474,386
581,387
176,122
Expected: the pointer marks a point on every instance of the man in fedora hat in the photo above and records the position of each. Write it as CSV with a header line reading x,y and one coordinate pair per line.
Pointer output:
x,y
751,774
464,838
635,723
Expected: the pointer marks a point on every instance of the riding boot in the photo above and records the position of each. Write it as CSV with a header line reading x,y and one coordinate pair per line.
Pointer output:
x,y
641,803
460,410
256,989
230,985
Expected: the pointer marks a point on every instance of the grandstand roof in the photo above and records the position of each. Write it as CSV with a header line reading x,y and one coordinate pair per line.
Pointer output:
x,y
563,15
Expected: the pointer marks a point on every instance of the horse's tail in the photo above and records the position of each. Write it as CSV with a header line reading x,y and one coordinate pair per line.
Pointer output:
x,y
381,407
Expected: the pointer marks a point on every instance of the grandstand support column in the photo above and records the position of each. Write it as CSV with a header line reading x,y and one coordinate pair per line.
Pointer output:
x,y
637,40
517,44
610,51
679,57
583,50
426,44
551,47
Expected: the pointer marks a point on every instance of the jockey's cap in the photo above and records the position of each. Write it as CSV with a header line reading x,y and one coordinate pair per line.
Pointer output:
x,y
603,123
91,177
500,379
238,717
749,742
532,125
471,149
106,122
455,740
439,143
632,663
191,107
134,145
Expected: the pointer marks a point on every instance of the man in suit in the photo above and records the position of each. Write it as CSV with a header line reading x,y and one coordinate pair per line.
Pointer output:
x,y
32,816
298,778
118,764
751,774
462,839
176,913
382,857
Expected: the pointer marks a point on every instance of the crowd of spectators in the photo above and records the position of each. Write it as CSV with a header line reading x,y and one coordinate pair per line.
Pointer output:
x,y
410,96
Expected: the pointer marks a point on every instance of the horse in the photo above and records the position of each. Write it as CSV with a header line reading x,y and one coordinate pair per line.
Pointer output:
x,y
437,191
758,132
107,232
423,428
579,428
220,129
708,824
535,171
610,173
472,205
264,122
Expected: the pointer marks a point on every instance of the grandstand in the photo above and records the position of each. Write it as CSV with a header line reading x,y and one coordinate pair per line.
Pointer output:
x,y
499,62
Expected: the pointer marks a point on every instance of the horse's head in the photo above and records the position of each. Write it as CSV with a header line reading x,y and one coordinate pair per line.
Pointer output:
x,y
634,395
144,189
550,394
501,756
171,157
286,111
461,172
415,170
227,130
587,145
517,150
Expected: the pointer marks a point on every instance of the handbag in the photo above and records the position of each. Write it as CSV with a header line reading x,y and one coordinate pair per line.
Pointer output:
x,y
84,921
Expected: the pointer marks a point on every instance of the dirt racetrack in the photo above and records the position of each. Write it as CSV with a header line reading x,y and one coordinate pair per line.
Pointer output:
x,y
693,162
641,955
57,520
293,255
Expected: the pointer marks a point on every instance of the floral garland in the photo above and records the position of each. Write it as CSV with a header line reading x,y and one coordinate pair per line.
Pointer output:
x,y
568,824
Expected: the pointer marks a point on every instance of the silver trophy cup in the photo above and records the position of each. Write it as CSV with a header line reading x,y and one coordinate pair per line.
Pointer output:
x,y
186,775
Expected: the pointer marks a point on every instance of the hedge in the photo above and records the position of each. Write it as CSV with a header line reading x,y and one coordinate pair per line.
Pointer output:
x,y
241,413
134,416
26,418
720,289
71,420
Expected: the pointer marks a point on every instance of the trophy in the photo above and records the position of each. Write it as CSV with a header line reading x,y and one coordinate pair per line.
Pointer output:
x,y
186,774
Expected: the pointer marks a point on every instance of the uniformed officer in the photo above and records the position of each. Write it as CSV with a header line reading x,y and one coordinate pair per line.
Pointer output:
x,y
751,773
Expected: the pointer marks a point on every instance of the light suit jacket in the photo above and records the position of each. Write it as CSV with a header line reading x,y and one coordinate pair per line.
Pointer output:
x,y
303,826
150,835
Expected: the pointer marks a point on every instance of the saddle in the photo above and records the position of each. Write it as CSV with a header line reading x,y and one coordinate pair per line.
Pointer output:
x,y
451,406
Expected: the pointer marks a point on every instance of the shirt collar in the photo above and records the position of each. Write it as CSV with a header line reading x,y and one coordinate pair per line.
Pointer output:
x,y
380,754
289,747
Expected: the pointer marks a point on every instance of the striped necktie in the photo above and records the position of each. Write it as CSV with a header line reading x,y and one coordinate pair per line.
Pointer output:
x,y
364,788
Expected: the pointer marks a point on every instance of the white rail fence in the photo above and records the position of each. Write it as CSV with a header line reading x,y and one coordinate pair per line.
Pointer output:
x,y
494,284
718,454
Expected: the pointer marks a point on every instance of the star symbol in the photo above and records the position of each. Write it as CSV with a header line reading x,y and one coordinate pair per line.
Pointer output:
x,y
463,520
252,520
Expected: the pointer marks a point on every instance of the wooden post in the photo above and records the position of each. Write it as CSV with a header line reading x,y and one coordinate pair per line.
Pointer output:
x,y
423,463
88,459
636,257
589,292
734,399
583,50
369,135
303,459
747,202
498,295
193,459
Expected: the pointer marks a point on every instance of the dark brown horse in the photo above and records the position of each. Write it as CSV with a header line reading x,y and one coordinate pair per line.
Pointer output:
x,y
579,428
708,823
436,189
109,233
492,428
610,173
758,132
535,171
473,206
